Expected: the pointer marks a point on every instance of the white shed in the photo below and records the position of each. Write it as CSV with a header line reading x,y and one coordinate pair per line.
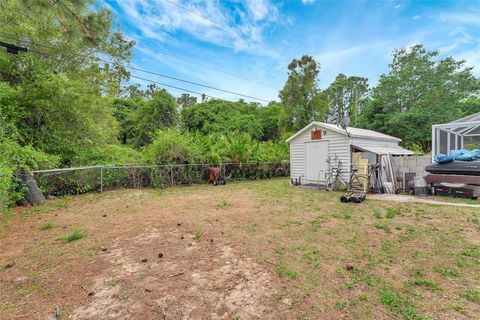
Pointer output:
x,y
319,146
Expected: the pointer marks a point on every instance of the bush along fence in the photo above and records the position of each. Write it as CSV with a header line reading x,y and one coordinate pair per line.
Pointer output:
x,y
69,181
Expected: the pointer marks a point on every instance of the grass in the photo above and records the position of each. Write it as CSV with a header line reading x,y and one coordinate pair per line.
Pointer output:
x,y
46,226
197,234
448,272
284,271
320,258
472,295
75,235
384,226
391,213
425,283
399,305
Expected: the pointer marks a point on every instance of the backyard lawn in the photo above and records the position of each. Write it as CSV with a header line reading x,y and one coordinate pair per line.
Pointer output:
x,y
247,250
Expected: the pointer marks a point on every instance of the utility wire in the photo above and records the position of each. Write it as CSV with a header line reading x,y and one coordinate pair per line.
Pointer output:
x,y
197,14
195,83
161,51
75,16
146,79
174,87
151,72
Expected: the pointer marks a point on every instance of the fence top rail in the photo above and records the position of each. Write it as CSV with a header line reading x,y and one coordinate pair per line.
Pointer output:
x,y
150,166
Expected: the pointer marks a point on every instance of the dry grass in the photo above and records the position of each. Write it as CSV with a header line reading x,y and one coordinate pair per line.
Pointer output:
x,y
246,250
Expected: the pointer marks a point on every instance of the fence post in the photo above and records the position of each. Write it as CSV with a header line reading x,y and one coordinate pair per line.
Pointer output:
x,y
171,175
101,179
224,171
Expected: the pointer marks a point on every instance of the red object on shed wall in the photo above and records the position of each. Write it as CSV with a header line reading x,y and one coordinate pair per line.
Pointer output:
x,y
316,134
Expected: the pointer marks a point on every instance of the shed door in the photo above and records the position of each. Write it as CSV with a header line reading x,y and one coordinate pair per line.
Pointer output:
x,y
316,155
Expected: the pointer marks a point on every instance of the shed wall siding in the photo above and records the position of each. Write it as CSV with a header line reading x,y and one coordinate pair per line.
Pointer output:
x,y
338,147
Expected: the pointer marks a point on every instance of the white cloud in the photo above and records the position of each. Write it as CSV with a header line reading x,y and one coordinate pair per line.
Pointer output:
x,y
240,28
307,2
416,17
262,10
397,6
461,18
472,58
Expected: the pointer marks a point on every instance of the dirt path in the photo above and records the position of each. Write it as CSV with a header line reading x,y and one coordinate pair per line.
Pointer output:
x,y
404,198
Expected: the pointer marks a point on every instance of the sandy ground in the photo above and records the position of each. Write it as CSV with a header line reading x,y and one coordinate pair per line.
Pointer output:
x,y
405,198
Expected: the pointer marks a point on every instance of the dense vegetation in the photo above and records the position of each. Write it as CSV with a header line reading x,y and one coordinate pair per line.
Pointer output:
x,y
69,100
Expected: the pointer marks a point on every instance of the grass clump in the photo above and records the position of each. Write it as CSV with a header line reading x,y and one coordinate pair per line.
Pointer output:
x,y
399,305
46,226
391,213
377,214
383,226
283,271
472,295
197,234
458,308
471,250
339,305
448,272
425,283
75,235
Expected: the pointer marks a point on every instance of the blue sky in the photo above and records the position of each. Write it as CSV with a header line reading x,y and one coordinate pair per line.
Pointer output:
x,y
245,46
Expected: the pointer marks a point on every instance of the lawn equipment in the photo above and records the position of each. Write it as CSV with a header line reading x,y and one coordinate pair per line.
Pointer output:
x,y
353,196
215,176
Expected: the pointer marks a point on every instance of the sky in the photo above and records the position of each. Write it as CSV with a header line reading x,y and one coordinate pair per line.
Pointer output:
x,y
246,46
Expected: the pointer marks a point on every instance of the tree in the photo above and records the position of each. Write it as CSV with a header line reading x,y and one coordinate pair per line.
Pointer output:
x,y
186,100
157,113
300,95
270,117
124,110
64,96
220,116
345,95
419,90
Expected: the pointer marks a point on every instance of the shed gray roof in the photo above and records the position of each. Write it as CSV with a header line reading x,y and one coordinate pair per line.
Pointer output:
x,y
352,132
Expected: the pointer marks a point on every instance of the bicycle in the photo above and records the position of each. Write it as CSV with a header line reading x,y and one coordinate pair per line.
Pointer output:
x,y
334,180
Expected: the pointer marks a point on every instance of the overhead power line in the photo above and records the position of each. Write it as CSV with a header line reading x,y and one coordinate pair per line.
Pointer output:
x,y
196,83
175,87
132,76
197,14
150,72
214,69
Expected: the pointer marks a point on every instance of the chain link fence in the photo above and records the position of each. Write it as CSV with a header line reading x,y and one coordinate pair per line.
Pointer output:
x,y
69,181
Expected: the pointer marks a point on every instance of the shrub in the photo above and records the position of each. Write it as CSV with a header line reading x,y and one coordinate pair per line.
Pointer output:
x,y
16,157
172,147
108,155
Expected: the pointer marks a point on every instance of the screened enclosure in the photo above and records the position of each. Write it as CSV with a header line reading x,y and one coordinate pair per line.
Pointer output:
x,y
463,133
